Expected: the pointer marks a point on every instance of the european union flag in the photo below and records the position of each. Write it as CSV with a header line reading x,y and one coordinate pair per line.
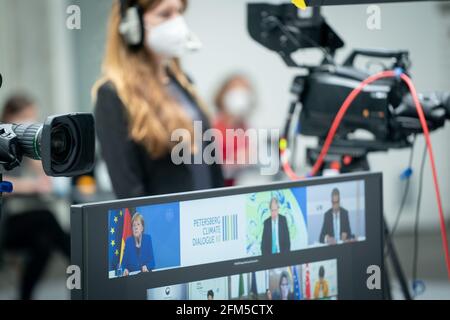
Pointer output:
x,y
297,288
254,288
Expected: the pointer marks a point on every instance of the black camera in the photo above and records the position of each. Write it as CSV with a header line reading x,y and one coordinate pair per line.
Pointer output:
x,y
65,144
383,108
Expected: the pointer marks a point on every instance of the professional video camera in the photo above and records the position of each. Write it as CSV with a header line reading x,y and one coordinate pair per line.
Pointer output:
x,y
384,108
65,144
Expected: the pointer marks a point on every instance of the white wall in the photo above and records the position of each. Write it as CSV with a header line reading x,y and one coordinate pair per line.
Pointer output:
x,y
422,28
36,53
36,58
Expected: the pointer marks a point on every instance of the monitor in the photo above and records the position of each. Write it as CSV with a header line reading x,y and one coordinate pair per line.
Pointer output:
x,y
311,239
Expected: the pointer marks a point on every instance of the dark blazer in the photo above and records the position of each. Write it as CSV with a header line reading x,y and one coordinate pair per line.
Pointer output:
x,y
134,260
327,227
133,172
283,234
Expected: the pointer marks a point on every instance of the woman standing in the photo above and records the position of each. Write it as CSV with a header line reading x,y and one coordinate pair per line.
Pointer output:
x,y
235,101
143,97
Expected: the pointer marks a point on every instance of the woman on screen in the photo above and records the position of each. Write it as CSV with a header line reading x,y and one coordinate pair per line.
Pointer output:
x,y
138,255
146,106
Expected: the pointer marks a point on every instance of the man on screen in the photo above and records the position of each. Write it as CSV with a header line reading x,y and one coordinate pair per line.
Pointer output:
x,y
138,255
336,224
275,237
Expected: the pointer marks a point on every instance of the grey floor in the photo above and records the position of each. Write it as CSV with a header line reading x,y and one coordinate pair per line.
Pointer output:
x,y
431,269
431,266
52,286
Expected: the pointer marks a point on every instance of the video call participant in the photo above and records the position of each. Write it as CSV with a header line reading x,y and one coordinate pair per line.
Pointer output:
x,y
269,295
210,295
284,287
28,225
138,255
142,97
321,286
336,224
275,237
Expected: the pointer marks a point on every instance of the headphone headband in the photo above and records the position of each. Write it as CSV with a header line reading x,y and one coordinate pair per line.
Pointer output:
x,y
132,26
126,4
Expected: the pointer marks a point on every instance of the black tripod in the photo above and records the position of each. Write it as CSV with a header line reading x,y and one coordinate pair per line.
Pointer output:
x,y
351,158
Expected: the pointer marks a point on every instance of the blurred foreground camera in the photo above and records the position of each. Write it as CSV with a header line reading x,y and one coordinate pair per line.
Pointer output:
x,y
65,144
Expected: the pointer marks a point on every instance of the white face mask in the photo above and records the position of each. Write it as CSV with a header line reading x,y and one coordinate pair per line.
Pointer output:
x,y
172,38
238,102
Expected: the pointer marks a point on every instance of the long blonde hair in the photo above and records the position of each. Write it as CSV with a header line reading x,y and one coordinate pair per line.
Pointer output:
x,y
152,113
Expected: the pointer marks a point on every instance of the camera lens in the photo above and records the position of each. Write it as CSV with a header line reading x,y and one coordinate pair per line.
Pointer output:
x,y
29,137
61,143
64,142
67,143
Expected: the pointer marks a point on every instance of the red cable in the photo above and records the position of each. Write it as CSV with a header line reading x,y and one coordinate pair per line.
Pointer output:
x,y
340,115
335,125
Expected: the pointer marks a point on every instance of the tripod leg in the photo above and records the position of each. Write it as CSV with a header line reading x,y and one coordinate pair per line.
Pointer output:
x,y
387,285
396,263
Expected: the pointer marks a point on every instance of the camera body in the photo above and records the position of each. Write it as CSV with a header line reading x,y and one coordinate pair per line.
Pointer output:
x,y
385,108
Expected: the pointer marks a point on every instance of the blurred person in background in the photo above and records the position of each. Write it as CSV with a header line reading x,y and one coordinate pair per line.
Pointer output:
x,y
235,100
268,294
27,224
143,96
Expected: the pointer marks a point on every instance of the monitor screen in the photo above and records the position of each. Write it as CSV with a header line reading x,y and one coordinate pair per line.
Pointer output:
x,y
311,239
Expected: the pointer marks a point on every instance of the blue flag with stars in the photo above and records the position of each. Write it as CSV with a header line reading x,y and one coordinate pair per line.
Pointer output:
x,y
115,229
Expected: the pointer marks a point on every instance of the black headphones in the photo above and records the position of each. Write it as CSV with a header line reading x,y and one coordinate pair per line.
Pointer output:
x,y
132,23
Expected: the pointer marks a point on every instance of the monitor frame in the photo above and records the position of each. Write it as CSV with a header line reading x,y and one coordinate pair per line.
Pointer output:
x,y
82,219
